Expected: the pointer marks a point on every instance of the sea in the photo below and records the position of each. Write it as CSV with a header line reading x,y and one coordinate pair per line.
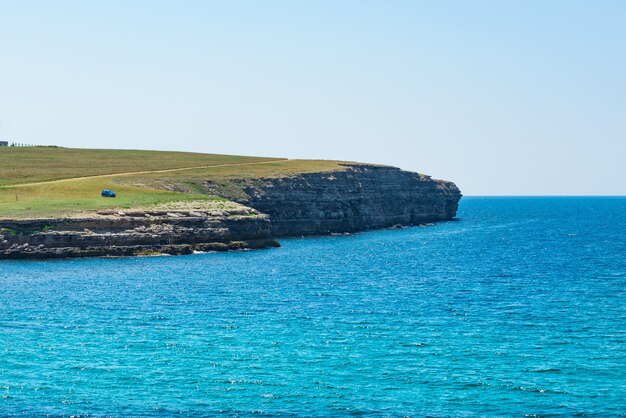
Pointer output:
x,y
517,308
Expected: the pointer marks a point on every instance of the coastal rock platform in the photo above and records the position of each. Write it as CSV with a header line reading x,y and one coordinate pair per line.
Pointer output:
x,y
132,233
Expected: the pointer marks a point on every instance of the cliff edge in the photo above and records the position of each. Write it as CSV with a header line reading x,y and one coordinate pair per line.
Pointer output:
x,y
357,198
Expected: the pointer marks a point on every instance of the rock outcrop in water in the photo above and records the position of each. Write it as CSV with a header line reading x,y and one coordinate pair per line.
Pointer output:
x,y
357,198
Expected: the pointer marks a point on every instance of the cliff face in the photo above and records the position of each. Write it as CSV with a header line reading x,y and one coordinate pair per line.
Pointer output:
x,y
361,197
357,198
136,233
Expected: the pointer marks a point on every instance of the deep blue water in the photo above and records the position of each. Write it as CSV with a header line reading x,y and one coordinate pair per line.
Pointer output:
x,y
517,308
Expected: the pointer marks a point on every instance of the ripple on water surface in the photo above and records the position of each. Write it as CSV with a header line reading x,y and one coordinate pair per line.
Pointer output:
x,y
517,308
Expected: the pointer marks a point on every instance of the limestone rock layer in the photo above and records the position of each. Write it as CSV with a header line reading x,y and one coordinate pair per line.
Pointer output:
x,y
358,198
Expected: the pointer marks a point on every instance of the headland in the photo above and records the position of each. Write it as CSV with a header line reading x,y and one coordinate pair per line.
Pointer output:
x,y
179,203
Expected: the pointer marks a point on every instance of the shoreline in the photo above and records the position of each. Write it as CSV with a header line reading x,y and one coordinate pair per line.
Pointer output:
x,y
362,197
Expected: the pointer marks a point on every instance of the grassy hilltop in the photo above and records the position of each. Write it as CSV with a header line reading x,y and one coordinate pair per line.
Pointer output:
x,y
46,181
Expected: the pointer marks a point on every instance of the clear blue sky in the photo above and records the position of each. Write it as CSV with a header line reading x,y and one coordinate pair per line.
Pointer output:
x,y
503,97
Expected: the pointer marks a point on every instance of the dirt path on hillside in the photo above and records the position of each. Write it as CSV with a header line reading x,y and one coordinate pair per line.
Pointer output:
x,y
169,170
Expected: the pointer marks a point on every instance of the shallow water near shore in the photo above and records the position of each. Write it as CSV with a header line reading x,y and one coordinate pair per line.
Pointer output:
x,y
516,308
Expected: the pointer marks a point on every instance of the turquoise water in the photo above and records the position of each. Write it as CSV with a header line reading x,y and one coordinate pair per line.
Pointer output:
x,y
517,308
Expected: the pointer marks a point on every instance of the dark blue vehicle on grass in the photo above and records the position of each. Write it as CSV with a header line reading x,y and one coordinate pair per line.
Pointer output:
x,y
108,193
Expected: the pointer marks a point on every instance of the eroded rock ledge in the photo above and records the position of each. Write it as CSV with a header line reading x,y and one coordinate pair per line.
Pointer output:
x,y
145,232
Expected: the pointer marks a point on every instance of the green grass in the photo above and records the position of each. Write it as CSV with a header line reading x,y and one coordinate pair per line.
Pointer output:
x,y
69,197
66,191
28,165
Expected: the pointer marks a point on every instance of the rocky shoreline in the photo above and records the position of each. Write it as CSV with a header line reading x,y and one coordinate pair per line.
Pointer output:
x,y
358,198
134,233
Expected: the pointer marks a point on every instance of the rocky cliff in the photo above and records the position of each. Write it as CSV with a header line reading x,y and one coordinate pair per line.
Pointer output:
x,y
135,233
359,197
355,198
